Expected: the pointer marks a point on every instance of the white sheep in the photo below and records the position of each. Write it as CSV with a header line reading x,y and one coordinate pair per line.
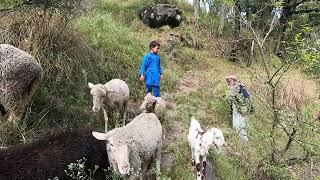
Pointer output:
x,y
132,148
200,142
112,96
161,107
20,75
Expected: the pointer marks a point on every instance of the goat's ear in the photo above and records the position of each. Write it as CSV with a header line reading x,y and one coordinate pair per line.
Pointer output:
x,y
99,136
213,131
90,85
194,122
154,102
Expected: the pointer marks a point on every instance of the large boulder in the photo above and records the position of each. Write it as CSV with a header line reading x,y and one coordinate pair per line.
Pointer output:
x,y
161,14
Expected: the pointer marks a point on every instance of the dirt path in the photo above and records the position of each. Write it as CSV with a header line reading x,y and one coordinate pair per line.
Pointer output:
x,y
175,131
190,82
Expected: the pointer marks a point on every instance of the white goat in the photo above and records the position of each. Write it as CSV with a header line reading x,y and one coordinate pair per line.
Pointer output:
x,y
200,142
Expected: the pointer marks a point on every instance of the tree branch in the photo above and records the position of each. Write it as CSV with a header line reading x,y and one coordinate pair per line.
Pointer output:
x,y
293,161
289,142
273,22
303,11
294,5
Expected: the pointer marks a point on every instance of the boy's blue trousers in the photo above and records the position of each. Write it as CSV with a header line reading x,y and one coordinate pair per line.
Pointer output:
x,y
156,90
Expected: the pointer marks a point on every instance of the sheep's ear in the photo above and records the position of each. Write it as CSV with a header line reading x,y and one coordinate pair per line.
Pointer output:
x,y
99,136
154,102
90,85
147,96
155,99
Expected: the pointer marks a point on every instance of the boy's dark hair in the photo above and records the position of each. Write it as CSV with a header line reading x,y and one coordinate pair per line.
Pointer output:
x,y
154,44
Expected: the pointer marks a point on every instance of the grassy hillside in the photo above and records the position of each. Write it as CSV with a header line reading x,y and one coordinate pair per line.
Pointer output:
x,y
108,41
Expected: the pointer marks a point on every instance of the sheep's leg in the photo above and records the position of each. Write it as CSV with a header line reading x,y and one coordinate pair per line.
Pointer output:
x,y
158,160
135,170
16,112
105,114
143,171
116,122
124,112
27,96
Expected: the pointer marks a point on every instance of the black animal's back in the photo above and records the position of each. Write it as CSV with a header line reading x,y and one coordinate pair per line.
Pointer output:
x,y
49,156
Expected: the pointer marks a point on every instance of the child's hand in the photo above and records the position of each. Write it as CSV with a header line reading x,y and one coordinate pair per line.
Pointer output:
x,y
141,78
162,77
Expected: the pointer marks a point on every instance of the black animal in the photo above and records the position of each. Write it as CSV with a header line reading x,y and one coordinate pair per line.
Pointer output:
x,y
50,155
161,14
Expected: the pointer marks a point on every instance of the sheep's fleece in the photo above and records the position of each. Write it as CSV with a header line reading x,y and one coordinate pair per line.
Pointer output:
x,y
20,74
143,135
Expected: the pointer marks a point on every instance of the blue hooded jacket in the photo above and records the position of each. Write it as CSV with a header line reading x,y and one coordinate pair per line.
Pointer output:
x,y
151,69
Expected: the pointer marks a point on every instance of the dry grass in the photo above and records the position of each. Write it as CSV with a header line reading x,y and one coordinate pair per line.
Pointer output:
x,y
297,91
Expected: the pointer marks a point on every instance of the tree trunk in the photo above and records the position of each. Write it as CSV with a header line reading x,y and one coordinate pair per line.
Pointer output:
x,y
287,13
236,30
266,17
222,15
237,17
211,8
196,4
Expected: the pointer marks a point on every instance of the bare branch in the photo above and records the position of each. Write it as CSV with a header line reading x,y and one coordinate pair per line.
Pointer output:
x,y
289,142
293,161
272,25
297,3
260,45
307,11
277,71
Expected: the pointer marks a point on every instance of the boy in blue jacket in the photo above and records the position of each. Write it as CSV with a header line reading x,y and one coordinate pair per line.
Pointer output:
x,y
151,71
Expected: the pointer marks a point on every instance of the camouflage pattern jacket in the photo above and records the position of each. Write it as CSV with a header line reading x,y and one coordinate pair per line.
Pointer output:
x,y
236,96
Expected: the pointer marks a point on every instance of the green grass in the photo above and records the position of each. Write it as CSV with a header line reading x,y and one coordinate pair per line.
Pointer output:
x,y
181,167
228,168
121,49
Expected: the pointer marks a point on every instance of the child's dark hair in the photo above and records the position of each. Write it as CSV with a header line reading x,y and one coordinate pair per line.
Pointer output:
x,y
154,44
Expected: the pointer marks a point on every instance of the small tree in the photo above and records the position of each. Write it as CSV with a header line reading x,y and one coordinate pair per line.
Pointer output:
x,y
291,129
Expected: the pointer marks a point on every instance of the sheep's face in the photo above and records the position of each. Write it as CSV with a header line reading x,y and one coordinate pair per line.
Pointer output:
x,y
217,138
118,154
98,95
148,104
